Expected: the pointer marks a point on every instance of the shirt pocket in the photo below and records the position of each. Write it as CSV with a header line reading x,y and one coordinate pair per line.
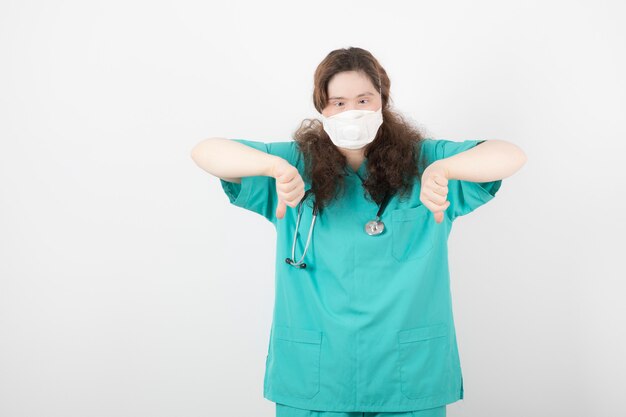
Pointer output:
x,y
412,234
296,361
423,356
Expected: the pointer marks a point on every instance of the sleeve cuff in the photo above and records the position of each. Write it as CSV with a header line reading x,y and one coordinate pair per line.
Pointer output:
x,y
238,194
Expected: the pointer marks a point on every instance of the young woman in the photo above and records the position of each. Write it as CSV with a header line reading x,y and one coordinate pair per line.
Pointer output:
x,y
363,320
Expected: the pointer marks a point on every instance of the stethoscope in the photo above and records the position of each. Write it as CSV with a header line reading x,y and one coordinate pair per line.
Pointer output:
x,y
373,227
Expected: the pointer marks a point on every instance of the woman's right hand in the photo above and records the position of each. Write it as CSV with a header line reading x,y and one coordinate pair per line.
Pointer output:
x,y
289,185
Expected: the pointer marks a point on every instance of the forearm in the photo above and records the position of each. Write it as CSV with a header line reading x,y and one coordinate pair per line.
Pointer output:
x,y
489,161
227,158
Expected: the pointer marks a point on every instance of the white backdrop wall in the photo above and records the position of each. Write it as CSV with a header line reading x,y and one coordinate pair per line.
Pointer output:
x,y
129,286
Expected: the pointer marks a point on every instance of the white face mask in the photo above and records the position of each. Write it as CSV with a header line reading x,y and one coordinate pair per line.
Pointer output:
x,y
353,129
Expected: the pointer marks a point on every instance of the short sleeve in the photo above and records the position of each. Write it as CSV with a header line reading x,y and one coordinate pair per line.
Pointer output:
x,y
258,193
464,196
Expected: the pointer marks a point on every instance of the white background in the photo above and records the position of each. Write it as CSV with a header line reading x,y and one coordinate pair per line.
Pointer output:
x,y
129,286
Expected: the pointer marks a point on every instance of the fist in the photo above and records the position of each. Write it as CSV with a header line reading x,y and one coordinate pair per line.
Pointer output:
x,y
434,190
289,186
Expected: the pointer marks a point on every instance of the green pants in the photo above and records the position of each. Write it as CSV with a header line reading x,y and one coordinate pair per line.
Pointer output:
x,y
283,410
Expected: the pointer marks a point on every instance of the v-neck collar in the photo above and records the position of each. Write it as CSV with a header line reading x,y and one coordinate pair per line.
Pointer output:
x,y
360,171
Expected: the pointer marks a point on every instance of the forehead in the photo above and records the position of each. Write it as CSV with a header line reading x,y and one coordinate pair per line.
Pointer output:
x,y
349,84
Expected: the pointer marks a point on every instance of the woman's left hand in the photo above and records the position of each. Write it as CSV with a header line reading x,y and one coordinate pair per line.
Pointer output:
x,y
434,190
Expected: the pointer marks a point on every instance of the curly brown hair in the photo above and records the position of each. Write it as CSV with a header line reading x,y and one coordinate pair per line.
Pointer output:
x,y
393,155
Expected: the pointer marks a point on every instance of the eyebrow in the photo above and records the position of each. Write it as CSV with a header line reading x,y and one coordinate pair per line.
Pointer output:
x,y
360,95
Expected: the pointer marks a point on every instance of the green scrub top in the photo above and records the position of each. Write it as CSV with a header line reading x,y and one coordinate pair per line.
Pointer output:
x,y
367,325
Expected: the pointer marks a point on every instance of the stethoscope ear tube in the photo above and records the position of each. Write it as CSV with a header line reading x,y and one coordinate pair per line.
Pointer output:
x,y
299,265
291,261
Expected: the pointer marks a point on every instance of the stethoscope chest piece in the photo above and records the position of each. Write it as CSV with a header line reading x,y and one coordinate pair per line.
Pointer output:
x,y
374,227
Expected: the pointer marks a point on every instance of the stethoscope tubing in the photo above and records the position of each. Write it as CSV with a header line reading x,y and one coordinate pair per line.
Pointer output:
x,y
376,225
291,261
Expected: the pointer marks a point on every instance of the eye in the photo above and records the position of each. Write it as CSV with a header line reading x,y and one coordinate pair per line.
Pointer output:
x,y
365,99
338,102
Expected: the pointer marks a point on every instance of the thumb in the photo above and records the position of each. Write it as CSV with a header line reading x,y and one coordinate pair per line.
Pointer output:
x,y
439,214
280,210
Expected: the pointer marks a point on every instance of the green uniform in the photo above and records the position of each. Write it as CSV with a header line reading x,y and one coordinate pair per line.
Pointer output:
x,y
368,324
